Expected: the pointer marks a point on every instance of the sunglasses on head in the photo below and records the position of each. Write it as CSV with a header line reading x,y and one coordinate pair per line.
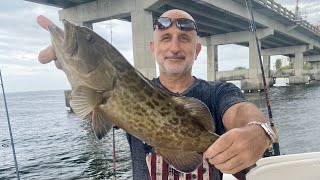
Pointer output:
x,y
183,24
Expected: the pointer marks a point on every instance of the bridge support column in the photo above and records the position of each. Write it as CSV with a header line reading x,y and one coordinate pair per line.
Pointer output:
x,y
212,62
232,38
254,82
316,66
266,66
141,22
298,77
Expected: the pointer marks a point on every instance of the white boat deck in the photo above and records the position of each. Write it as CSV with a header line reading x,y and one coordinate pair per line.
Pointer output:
x,y
228,177
294,167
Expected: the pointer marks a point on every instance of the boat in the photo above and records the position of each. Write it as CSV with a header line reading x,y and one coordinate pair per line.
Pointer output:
x,y
302,166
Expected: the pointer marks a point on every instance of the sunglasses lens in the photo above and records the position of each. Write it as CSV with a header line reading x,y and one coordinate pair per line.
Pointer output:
x,y
186,24
182,23
162,23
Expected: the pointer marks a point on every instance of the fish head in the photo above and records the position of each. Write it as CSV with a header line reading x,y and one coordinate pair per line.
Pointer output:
x,y
77,49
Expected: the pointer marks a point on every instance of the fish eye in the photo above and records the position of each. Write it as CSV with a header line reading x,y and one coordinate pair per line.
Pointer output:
x,y
90,38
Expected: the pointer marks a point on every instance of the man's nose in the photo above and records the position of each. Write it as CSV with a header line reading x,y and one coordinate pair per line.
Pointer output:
x,y
175,46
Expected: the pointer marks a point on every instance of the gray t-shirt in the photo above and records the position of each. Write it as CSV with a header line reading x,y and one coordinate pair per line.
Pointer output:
x,y
218,96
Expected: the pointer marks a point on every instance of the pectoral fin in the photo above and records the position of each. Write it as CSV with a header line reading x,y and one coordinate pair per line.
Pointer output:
x,y
84,100
183,161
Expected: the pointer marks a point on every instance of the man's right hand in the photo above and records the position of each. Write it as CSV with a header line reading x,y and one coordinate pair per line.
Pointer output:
x,y
48,54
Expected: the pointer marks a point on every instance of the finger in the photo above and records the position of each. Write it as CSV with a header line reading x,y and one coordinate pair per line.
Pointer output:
x,y
220,145
44,22
47,55
224,157
240,170
228,165
235,169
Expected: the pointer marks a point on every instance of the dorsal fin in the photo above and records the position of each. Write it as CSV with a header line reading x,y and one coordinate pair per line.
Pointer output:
x,y
198,110
155,86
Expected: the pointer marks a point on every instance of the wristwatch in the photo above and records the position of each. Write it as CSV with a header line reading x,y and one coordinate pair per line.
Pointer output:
x,y
267,128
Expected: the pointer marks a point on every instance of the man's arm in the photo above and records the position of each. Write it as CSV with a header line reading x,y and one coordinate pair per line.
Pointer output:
x,y
240,114
241,146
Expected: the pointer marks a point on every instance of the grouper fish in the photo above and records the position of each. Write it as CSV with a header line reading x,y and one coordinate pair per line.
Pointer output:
x,y
106,87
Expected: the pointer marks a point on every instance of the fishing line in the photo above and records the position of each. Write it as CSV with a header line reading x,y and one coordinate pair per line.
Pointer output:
x,y
10,131
114,159
253,29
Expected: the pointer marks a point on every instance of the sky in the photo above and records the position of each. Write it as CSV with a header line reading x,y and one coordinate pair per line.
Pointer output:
x,y
21,39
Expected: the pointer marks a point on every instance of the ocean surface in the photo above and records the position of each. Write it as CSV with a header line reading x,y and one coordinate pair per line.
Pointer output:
x,y
52,143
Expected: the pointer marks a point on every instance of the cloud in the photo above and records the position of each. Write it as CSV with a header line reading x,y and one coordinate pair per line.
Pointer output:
x,y
25,80
120,33
19,77
21,39
310,7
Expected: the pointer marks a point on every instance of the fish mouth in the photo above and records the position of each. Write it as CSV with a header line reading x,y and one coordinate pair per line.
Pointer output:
x,y
65,39
56,33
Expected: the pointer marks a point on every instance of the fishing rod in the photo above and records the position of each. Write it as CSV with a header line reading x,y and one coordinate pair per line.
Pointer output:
x,y
114,158
10,131
253,29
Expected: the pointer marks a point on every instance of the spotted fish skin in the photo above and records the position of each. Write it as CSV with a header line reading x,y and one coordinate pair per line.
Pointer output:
x,y
109,89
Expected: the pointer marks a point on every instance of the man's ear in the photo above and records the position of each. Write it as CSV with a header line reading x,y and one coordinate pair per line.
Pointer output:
x,y
198,49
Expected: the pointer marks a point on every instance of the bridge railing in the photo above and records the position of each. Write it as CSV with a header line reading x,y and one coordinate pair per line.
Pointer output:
x,y
288,14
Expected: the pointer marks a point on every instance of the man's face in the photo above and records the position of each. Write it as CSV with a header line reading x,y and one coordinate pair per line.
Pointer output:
x,y
175,50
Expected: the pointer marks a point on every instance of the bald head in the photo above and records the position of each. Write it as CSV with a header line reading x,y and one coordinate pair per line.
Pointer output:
x,y
177,13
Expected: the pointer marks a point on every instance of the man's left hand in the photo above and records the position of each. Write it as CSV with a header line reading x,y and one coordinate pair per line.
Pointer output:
x,y
238,149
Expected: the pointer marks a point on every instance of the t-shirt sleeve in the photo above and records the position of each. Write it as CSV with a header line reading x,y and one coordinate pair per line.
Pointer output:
x,y
227,94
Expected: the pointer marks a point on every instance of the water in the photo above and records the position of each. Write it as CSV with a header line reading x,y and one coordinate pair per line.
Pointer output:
x,y
52,143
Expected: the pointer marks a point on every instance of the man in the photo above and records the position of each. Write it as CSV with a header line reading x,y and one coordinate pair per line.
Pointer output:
x,y
175,47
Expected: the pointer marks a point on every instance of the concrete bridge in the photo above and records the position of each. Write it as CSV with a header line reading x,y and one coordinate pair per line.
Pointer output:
x,y
219,22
